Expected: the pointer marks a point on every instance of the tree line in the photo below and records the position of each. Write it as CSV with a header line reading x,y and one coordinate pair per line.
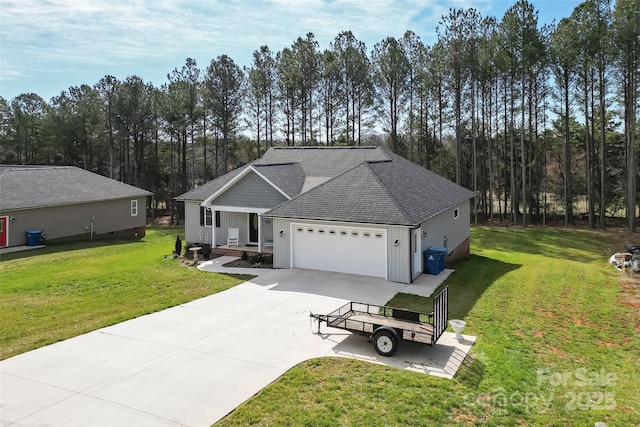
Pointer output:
x,y
533,118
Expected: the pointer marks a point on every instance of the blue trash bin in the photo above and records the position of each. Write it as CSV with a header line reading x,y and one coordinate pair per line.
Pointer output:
x,y
435,260
443,256
33,237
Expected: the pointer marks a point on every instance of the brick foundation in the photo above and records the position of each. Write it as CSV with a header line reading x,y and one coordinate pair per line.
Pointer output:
x,y
461,252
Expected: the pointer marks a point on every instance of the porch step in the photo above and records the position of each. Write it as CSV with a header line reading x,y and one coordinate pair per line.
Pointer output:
x,y
227,252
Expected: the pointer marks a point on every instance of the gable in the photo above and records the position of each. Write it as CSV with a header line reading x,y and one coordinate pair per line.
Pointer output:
x,y
250,191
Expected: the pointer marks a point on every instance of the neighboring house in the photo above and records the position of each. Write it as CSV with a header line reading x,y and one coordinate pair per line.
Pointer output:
x,y
361,210
67,203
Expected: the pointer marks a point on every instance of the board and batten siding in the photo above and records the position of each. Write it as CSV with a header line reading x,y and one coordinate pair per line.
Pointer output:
x,y
196,233
397,256
228,220
456,230
251,191
193,232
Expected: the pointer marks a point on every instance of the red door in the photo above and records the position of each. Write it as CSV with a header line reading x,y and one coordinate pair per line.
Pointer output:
x,y
3,231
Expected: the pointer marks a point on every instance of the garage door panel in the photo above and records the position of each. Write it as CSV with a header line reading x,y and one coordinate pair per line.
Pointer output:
x,y
346,250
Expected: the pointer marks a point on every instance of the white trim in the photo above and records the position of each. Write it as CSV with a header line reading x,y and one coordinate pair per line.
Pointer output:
x,y
237,178
417,253
134,207
249,229
239,209
341,226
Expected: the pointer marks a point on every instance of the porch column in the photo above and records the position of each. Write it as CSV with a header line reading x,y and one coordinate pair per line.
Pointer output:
x,y
259,233
213,227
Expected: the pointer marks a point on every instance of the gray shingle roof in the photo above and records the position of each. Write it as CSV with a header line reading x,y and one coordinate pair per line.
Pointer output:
x,y
205,190
350,184
355,196
323,161
396,192
23,187
294,168
289,177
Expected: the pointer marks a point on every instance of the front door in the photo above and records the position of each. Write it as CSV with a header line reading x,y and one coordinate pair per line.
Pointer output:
x,y
417,252
4,232
253,228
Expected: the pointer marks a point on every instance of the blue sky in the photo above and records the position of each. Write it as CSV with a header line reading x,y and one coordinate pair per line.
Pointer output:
x,y
46,46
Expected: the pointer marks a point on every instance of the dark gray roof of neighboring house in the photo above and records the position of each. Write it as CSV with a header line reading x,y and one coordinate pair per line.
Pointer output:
x,y
24,187
395,191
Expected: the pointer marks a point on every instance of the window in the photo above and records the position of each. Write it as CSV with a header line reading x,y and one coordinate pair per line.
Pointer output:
x,y
456,213
206,217
365,234
343,233
134,208
321,231
332,231
217,219
354,233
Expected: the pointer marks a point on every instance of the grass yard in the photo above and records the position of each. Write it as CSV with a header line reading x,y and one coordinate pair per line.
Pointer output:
x,y
50,294
558,345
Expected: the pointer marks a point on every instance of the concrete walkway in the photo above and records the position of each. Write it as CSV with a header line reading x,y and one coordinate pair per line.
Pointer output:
x,y
192,364
423,285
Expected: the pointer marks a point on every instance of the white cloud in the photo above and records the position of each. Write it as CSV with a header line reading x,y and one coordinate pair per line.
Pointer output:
x,y
48,45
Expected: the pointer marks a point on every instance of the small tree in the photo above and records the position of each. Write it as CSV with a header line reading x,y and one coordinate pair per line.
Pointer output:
x,y
178,249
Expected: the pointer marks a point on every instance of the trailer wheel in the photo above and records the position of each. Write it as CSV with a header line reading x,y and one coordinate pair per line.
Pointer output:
x,y
385,343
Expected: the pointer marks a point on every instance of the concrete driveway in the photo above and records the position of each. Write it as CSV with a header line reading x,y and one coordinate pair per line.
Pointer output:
x,y
191,365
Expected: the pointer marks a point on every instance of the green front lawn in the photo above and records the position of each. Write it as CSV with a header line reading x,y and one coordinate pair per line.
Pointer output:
x,y
558,344
50,294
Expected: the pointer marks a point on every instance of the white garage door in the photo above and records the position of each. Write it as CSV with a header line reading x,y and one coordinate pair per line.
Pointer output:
x,y
352,250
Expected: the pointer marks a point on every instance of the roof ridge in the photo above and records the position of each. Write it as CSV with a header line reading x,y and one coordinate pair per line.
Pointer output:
x,y
386,190
326,147
275,164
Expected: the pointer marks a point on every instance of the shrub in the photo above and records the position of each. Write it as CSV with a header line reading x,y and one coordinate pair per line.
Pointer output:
x,y
262,259
177,250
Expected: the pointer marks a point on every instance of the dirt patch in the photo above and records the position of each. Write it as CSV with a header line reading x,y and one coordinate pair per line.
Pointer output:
x,y
546,313
581,321
630,285
606,344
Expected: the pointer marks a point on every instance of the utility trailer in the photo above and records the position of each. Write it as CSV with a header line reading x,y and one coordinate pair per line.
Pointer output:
x,y
388,326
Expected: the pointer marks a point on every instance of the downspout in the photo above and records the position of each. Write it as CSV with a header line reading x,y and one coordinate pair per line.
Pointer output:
x,y
410,256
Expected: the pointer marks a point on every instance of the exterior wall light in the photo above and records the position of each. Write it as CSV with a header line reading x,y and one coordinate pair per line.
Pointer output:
x,y
281,232
396,242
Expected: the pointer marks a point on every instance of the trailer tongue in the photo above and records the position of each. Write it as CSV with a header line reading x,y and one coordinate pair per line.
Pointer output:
x,y
388,326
